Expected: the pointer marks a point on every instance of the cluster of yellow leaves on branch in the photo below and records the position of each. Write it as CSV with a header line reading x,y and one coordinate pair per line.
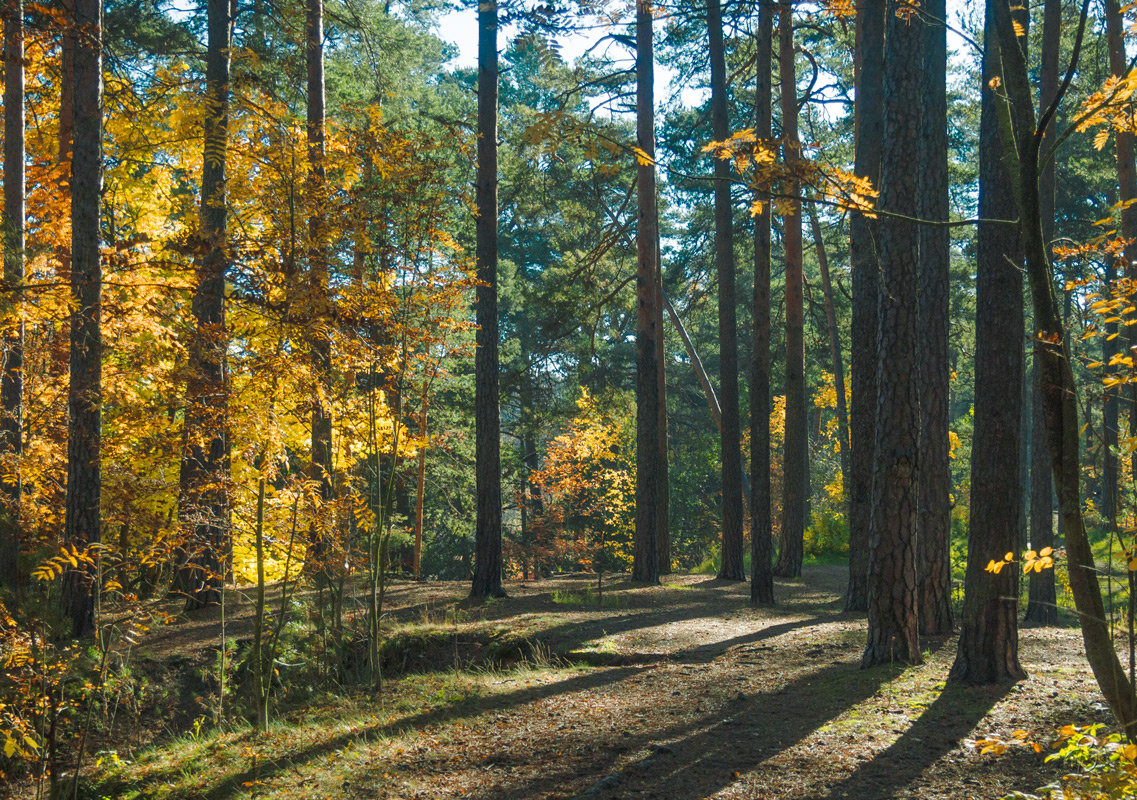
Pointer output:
x,y
585,516
831,184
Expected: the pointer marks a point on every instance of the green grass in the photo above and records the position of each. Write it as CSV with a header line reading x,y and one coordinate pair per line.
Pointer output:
x,y
588,597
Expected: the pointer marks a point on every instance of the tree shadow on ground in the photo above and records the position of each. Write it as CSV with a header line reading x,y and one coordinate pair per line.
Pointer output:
x,y
941,728
695,760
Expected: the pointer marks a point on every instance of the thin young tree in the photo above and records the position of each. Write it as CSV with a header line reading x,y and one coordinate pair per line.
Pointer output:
x,y
836,360
869,121
730,440
1042,598
892,631
1127,193
761,523
12,233
645,556
795,484
934,533
204,493
487,534
320,342
84,396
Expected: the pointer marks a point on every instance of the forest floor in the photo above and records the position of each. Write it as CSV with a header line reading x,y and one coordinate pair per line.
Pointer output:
x,y
676,692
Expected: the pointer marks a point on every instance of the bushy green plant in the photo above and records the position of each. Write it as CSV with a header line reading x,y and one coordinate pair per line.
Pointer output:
x,y
827,535
1105,763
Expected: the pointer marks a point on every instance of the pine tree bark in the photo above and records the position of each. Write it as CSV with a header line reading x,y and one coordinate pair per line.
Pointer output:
x,y
663,498
730,439
934,533
869,122
892,632
12,233
988,641
203,503
795,485
320,342
761,521
1042,598
487,535
645,556
84,397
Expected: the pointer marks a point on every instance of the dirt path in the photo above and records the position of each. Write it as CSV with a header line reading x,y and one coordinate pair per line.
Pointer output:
x,y
680,692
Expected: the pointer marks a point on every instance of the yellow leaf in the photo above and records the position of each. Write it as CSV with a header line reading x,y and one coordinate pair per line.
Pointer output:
x,y
1009,557
1020,31
1046,551
642,157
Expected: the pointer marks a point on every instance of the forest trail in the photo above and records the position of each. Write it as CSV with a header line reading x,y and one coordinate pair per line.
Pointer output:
x,y
677,692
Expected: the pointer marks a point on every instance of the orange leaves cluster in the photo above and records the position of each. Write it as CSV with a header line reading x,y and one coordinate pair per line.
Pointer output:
x,y
759,157
1032,561
1110,109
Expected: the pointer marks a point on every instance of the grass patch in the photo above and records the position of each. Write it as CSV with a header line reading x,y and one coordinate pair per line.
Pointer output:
x,y
588,597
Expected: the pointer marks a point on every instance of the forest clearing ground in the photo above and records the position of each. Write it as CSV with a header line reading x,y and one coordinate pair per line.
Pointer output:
x,y
674,692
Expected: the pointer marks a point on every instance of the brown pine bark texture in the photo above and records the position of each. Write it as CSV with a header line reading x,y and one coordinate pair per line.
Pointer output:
x,y
84,397
795,459
761,522
869,120
487,534
730,436
892,631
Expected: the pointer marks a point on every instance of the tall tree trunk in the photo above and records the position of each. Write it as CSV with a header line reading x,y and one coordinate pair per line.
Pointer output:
x,y
934,535
12,233
663,499
892,634
84,397
835,357
487,535
1057,379
1127,192
869,122
730,440
645,559
320,343
204,482
761,522
795,485
988,640
1042,598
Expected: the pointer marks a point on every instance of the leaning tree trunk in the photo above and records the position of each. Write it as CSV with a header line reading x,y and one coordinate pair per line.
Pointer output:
x,y
834,333
795,485
934,533
12,233
869,113
487,535
892,633
204,480
645,560
84,397
988,639
761,523
1056,375
730,436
